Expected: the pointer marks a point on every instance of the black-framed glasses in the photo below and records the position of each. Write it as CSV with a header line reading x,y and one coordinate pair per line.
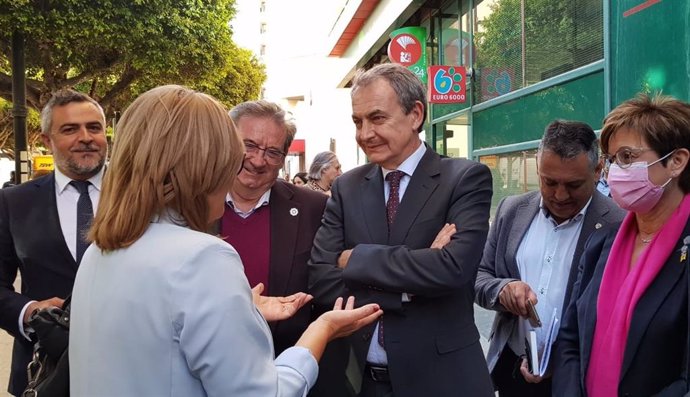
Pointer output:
x,y
272,156
624,157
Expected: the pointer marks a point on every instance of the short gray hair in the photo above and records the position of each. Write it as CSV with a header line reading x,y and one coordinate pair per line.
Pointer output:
x,y
568,139
62,98
407,86
262,108
321,162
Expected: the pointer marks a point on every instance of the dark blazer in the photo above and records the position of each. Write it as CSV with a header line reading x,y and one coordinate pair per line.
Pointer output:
x,y
432,343
654,351
32,243
498,267
291,242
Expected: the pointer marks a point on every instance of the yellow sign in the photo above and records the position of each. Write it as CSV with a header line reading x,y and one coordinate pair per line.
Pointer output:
x,y
490,161
43,163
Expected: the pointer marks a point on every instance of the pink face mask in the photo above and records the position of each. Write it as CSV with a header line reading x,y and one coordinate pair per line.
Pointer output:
x,y
631,188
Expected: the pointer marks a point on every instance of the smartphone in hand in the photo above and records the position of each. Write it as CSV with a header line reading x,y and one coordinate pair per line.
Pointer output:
x,y
532,316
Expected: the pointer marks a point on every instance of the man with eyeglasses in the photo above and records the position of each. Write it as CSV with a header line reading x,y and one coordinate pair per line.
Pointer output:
x,y
533,249
271,223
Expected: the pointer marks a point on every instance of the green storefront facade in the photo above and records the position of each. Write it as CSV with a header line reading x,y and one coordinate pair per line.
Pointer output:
x,y
532,61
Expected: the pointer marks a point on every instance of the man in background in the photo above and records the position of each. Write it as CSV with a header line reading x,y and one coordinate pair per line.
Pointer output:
x,y
534,245
270,222
43,221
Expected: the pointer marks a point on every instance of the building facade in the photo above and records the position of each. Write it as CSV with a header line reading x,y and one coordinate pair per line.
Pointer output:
x,y
527,63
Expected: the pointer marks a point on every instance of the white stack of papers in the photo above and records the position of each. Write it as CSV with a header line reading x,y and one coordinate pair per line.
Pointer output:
x,y
539,361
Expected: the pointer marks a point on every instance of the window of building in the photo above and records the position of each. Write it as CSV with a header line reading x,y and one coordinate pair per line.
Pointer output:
x,y
262,29
522,42
513,173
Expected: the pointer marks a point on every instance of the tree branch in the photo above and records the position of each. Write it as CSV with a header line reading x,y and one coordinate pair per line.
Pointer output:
x,y
128,75
88,74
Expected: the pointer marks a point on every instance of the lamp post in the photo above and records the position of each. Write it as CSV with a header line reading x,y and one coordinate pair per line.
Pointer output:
x,y
21,155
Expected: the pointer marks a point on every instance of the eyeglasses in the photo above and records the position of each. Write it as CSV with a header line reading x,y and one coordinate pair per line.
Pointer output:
x,y
272,156
624,157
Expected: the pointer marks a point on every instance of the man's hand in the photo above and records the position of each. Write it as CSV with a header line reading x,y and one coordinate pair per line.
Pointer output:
x,y
33,306
343,258
514,295
529,378
276,308
443,237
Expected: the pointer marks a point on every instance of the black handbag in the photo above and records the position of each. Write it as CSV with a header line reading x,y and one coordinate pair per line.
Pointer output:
x,y
48,371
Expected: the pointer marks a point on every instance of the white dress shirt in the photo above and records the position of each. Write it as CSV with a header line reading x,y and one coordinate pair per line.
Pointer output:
x,y
66,198
377,354
544,259
263,200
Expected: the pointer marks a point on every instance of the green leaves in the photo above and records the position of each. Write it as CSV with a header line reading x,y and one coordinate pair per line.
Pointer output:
x,y
116,49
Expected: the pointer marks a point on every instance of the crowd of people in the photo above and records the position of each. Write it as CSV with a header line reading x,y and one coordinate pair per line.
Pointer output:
x,y
195,270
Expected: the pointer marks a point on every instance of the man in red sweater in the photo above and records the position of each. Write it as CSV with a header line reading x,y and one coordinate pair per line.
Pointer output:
x,y
271,223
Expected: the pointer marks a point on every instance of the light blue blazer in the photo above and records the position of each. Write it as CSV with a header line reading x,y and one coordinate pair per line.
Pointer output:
x,y
172,315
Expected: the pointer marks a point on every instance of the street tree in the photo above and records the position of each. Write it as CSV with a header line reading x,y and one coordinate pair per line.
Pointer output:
x,y
116,49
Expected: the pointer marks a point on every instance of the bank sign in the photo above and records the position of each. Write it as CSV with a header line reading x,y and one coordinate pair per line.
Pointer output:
x,y
446,84
408,48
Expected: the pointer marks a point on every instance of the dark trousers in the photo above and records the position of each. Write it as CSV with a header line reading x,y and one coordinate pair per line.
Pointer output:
x,y
509,381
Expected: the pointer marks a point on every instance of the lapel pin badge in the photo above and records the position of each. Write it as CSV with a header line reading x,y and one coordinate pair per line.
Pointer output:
x,y
598,226
684,249
294,211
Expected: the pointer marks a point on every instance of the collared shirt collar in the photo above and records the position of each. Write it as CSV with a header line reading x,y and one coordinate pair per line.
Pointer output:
x,y
61,180
410,164
576,218
263,200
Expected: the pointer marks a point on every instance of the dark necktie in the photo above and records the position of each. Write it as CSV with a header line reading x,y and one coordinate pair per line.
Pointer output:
x,y
84,216
393,179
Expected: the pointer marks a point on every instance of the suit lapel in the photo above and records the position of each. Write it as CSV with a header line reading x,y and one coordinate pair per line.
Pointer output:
x,y
374,206
422,184
51,221
594,216
524,215
653,298
284,228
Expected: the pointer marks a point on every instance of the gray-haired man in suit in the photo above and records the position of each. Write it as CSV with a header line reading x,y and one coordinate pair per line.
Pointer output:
x,y
533,248
42,221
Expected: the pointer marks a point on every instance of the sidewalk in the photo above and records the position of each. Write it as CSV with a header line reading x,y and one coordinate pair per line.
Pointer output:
x,y
5,361
6,354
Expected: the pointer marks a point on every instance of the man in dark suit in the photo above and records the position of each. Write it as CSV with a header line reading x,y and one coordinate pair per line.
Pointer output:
x,y
403,232
270,222
533,249
41,220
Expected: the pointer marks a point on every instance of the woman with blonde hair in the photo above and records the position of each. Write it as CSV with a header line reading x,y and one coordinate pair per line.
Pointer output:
x,y
159,307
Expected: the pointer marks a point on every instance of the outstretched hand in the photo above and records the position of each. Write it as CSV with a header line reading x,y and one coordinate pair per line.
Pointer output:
x,y
339,322
343,321
275,308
